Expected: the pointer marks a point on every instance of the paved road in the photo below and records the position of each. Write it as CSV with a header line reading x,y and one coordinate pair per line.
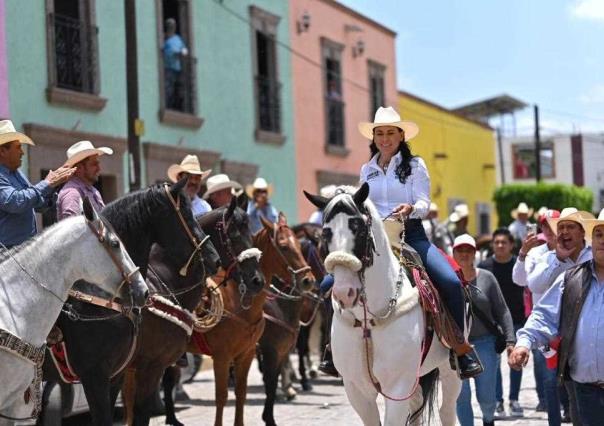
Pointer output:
x,y
325,405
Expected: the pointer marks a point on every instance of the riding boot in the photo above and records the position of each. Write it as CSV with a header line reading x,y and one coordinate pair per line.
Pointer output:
x,y
327,366
467,363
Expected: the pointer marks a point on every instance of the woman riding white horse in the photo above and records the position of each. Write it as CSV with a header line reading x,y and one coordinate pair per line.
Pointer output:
x,y
34,281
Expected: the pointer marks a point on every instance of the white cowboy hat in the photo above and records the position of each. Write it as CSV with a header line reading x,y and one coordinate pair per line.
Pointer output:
x,y
189,164
84,149
521,209
259,183
433,207
9,134
388,117
220,181
464,240
459,212
569,214
590,224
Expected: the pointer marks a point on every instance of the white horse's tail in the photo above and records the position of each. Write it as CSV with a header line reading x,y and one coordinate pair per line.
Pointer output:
x,y
429,386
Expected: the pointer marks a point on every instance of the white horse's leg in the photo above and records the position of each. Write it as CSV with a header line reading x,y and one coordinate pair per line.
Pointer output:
x,y
396,412
364,403
451,386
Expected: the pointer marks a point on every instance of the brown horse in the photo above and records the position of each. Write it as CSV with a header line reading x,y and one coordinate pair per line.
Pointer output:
x,y
282,309
167,325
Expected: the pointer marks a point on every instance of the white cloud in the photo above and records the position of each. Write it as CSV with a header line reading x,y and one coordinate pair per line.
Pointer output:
x,y
595,95
588,9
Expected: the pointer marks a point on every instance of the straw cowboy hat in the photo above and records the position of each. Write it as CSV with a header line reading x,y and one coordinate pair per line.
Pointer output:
x,y
540,213
388,117
459,212
569,214
189,164
9,134
521,209
218,182
84,149
590,224
433,207
259,183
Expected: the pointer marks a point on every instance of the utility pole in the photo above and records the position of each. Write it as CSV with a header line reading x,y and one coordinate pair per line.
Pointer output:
x,y
134,124
537,146
500,151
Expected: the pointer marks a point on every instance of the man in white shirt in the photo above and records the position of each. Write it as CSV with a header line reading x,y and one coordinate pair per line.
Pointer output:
x,y
189,167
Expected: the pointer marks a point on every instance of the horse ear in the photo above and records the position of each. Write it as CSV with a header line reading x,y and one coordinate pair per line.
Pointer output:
x,y
89,210
242,201
282,219
317,200
178,186
361,195
266,223
231,208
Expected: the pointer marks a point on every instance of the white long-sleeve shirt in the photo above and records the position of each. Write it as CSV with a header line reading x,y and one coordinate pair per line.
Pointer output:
x,y
548,268
387,192
523,267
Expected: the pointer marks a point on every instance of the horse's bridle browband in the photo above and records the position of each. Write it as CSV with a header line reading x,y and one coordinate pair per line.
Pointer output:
x,y
293,284
196,246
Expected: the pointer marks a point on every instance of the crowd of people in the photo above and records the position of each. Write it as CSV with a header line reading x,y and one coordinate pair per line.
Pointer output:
x,y
539,292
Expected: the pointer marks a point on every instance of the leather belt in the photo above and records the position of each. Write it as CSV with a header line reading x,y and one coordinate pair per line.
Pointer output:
x,y
598,384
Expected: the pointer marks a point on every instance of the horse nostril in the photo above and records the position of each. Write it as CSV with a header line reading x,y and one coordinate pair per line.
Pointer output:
x,y
258,281
146,294
350,292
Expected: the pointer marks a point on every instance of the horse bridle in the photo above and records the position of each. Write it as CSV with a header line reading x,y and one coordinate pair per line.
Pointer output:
x,y
196,246
100,234
293,272
234,261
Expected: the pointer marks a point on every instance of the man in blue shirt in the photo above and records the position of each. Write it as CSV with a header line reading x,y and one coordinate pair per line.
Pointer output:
x,y
174,48
260,192
573,309
19,198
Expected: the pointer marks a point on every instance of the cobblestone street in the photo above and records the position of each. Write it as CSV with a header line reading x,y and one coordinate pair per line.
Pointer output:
x,y
326,404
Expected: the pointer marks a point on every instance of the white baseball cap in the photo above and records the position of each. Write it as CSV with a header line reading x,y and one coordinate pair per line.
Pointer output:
x,y
464,240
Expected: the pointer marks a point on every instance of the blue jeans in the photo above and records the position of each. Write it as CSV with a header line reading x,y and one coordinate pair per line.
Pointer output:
x,y
515,378
539,371
440,271
485,384
552,395
590,402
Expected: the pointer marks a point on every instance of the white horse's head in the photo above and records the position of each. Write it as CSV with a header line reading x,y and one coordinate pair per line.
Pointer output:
x,y
347,222
106,262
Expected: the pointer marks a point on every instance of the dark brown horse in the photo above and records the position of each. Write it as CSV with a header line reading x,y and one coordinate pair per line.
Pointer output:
x,y
284,305
167,325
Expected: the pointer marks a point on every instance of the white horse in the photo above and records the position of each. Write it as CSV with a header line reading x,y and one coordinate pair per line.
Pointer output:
x,y
34,281
371,292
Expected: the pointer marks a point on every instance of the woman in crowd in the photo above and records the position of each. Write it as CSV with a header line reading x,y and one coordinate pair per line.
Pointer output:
x,y
490,311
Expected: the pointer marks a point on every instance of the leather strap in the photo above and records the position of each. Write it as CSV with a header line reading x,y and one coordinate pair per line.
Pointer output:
x,y
281,323
95,300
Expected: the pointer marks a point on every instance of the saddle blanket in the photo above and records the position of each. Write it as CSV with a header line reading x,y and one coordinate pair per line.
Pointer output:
x,y
58,353
201,343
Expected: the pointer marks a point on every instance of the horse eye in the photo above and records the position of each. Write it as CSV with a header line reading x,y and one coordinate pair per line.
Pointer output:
x,y
114,242
327,234
354,224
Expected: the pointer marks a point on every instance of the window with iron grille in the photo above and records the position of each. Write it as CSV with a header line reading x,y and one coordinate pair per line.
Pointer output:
x,y
178,64
376,87
267,88
334,100
73,46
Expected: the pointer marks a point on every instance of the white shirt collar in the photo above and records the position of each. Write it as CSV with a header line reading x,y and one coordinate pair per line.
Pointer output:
x,y
373,163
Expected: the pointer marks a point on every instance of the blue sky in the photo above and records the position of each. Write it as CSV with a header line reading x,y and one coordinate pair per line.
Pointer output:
x,y
548,52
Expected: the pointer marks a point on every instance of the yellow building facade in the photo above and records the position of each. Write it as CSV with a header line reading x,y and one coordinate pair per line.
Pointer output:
x,y
460,155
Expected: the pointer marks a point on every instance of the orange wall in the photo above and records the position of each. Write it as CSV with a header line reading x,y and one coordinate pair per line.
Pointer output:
x,y
328,20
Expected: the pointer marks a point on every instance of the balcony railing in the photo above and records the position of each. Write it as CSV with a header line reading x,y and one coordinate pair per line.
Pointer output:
x,y
75,54
335,122
269,105
181,87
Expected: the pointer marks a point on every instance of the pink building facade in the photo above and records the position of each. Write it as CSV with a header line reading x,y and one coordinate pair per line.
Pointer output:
x,y
343,68
4,112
